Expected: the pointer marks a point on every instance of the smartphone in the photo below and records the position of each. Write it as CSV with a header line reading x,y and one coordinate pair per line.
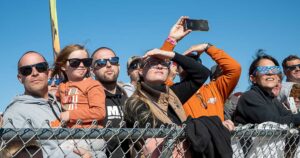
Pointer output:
x,y
196,25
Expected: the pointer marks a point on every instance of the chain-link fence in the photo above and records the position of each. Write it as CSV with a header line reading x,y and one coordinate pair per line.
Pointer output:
x,y
264,140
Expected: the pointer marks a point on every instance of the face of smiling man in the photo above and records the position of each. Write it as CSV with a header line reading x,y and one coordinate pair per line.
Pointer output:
x,y
36,82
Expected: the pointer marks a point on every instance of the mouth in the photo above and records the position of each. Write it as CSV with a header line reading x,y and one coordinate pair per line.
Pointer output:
x,y
159,72
109,72
270,79
36,81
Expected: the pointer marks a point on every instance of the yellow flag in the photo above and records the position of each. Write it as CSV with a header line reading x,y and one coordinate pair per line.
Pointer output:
x,y
54,28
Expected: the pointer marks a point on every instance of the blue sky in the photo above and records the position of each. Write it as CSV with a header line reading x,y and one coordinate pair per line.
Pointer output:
x,y
132,27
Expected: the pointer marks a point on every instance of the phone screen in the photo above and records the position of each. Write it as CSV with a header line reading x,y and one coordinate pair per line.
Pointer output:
x,y
196,25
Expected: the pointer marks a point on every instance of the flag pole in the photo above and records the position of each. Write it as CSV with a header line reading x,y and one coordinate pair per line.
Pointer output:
x,y
54,28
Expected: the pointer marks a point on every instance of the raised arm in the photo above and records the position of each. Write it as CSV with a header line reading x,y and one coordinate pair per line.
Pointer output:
x,y
177,33
231,69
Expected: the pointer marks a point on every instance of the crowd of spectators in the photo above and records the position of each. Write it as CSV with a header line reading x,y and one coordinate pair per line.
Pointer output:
x,y
85,87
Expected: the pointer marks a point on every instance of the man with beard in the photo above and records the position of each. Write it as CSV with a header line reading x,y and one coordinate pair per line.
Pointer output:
x,y
106,70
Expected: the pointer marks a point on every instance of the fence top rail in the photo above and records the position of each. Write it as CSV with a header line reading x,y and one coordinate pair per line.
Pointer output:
x,y
93,133
123,133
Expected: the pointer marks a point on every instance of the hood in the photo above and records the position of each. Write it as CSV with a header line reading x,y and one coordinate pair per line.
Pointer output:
x,y
285,91
23,100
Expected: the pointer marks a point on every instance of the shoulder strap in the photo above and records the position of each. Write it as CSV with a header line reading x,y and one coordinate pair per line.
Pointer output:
x,y
159,112
176,105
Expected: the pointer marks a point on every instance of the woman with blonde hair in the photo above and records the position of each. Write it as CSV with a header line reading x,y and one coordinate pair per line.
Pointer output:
x,y
155,103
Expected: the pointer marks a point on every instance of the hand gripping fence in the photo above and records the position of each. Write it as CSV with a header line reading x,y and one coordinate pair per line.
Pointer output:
x,y
266,140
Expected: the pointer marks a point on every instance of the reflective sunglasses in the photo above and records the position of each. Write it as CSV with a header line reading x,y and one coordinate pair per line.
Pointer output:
x,y
292,67
155,63
103,62
134,66
271,70
75,62
27,70
56,81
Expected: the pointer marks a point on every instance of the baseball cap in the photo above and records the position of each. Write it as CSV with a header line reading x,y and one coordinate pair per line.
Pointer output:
x,y
132,59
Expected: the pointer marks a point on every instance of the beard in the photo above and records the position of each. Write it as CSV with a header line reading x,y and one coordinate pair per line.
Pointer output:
x,y
108,80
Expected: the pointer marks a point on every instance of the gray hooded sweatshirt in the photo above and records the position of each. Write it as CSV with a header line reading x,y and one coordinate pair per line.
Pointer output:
x,y
285,91
38,110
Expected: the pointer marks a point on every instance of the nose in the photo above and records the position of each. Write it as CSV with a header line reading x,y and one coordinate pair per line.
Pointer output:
x,y
34,72
159,66
81,64
53,83
297,68
108,64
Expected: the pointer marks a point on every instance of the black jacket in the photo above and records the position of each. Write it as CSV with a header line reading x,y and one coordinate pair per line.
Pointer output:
x,y
257,106
114,107
208,137
114,113
196,77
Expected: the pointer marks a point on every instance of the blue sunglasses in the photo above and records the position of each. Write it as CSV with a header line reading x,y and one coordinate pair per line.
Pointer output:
x,y
55,80
271,70
103,62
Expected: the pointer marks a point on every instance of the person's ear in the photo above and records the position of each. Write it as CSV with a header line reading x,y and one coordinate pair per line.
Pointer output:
x,y
20,78
253,79
141,72
63,68
285,72
128,72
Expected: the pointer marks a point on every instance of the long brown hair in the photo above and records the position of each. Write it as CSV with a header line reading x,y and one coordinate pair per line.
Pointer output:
x,y
62,58
133,105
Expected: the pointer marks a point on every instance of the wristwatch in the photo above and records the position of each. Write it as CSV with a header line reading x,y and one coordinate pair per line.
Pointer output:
x,y
208,46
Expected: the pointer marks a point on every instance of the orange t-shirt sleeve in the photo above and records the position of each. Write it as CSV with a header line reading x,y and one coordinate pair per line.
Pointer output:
x,y
167,46
231,71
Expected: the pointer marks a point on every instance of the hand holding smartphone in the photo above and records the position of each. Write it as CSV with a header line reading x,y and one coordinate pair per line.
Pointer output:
x,y
196,25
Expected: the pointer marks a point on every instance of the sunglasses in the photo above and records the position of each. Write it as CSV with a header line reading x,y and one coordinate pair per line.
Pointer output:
x,y
56,81
27,70
292,67
75,62
271,70
155,63
103,62
134,66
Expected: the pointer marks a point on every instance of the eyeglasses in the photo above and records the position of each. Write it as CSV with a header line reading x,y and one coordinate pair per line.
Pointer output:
x,y
27,70
75,62
292,67
134,66
154,64
55,80
271,70
103,62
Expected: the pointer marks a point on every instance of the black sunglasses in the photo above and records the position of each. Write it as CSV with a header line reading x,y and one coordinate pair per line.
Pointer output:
x,y
103,62
134,66
27,70
75,62
292,67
